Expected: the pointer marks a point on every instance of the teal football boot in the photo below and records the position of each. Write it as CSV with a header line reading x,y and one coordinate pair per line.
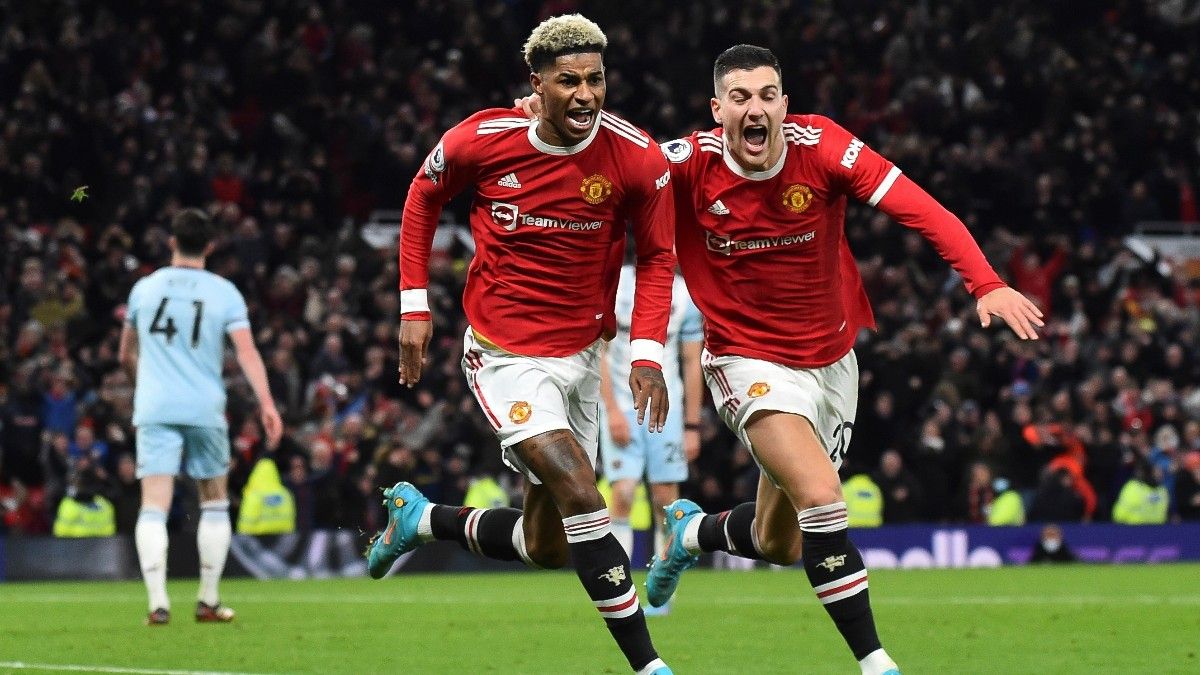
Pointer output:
x,y
671,562
405,504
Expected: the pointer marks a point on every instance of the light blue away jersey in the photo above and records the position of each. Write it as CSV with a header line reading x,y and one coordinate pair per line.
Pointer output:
x,y
181,316
685,325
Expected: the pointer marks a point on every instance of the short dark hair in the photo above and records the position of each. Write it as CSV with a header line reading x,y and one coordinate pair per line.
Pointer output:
x,y
193,231
743,57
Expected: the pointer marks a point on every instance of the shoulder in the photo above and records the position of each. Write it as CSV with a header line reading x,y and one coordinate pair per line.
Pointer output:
x,y
688,149
624,134
809,130
222,285
493,121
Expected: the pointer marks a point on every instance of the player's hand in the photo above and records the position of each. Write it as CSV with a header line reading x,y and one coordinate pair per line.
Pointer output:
x,y
618,429
649,396
691,444
414,341
1018,311
272,425
531,105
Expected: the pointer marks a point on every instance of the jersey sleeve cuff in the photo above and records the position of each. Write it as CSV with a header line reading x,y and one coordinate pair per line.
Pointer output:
x,y
646,350
414,300
643,363
234,325
988,288
416,316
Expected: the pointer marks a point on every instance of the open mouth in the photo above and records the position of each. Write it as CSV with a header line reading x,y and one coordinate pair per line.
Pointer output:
x,y
755,137
580,119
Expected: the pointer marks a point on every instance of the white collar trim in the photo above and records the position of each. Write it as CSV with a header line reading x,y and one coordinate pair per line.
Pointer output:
x,y
754,175
564,149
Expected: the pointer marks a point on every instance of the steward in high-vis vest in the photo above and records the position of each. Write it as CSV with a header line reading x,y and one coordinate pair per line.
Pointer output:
x,y
864,501
267,506
85,518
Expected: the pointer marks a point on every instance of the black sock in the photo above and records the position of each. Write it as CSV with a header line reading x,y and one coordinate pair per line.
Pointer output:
x,y
603,569
486,532
839,577
738,524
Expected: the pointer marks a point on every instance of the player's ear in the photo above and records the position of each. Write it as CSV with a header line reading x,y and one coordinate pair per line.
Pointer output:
x,y
174,246
716,109
208,250
535,81
785,102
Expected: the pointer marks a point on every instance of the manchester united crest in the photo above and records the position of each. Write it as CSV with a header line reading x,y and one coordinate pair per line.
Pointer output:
x,y
797,198
596,188
519,412
758,389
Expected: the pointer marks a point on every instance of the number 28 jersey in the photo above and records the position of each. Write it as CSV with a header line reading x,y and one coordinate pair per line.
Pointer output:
x,y
181,316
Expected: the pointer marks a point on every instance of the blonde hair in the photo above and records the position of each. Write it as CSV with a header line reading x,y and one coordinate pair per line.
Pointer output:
x,y
566,34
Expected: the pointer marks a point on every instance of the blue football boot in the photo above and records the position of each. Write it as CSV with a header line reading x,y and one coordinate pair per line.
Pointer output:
x,y
405,504
672,561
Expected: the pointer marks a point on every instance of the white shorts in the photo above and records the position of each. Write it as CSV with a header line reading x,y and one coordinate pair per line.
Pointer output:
x,y
827,397
524,396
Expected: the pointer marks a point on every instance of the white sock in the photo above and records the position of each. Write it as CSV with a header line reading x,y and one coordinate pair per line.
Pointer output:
x,y
425,526
212,538
652,666
624,534
150,535
691,535
876,663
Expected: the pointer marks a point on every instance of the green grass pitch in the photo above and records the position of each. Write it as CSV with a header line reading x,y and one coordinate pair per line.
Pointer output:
x,y
1120,619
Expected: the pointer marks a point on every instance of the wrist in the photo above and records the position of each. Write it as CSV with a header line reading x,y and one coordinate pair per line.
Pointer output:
x,y
644,363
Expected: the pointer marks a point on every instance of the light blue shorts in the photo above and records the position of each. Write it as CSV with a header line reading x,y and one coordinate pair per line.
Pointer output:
x,y
162,449
658,458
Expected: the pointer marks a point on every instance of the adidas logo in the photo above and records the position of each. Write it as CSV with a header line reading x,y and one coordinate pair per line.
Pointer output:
x,y
718,209
509,181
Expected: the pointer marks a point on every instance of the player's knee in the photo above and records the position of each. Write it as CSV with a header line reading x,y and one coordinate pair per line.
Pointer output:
x,y
575,496
822,494
550,555
781,550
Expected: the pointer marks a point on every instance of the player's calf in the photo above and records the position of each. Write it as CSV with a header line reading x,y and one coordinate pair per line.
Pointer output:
x,y
603,569
838,576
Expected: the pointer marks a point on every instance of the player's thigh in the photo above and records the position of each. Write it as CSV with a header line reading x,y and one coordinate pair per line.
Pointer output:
x,y
206,456
564,468
159,450
793,458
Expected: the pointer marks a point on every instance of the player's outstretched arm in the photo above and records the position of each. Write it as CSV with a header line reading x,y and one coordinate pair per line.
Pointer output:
x,y
1015,309
252,365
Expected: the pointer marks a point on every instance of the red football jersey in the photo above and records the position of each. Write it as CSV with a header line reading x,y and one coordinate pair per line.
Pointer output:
x,y
549,225
765,254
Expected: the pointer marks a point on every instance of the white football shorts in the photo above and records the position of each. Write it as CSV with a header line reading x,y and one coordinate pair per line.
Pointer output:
x,y
524,396
827,397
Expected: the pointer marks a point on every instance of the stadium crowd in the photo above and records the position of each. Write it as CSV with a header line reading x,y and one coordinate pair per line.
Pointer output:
x,y
1050,128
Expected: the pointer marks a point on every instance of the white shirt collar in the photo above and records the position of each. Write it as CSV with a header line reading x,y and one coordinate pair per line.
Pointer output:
x,y
564,149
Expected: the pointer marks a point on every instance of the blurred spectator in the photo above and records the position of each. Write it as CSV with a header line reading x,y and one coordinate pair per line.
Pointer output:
x,y
1187,487
901,491
1051,546
291,124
